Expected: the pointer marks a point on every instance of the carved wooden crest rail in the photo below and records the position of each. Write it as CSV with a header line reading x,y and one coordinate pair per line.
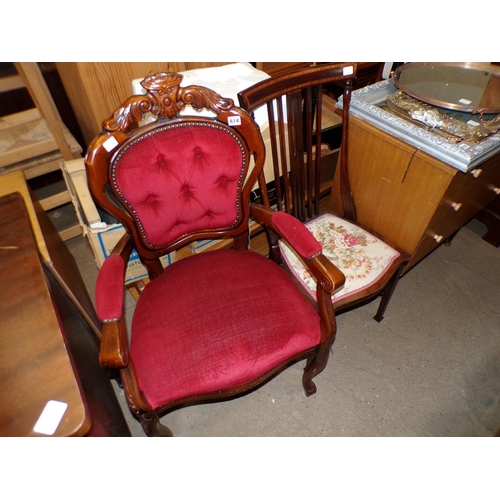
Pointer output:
x,y
165,98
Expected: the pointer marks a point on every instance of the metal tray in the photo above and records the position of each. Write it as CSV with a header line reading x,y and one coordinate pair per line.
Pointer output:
x,y
369,104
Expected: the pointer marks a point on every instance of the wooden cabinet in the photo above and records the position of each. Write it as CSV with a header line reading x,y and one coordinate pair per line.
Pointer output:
x,y
409,196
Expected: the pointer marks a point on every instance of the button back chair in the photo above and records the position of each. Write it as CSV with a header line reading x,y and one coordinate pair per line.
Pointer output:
x,y
214,324
371,264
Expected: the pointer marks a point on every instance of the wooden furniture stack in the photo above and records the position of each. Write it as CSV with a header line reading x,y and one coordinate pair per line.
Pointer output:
x,y
36,141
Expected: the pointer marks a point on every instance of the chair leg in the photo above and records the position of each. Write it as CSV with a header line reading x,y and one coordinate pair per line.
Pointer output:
x,y
274,250
147,417
387,294
309,373
315,364
151,424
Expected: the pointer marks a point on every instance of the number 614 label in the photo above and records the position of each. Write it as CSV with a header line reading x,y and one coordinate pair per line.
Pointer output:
x,y
234,120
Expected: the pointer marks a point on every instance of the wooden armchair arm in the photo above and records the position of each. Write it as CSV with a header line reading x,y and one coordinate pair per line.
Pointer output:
x,y
327,274
113,351
289,228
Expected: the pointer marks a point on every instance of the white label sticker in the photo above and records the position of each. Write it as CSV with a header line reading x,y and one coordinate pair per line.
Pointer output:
x,y
348,70
51,417
464,101
472,123
234,120
110,144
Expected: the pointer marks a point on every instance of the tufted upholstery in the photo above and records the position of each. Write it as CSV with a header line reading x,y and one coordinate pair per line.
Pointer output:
x,y
173,189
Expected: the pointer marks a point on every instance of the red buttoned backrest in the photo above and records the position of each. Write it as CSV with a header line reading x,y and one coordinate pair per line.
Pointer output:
x,y
179,179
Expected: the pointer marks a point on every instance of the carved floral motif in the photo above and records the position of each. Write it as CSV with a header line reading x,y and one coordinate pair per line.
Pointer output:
x,y
165,98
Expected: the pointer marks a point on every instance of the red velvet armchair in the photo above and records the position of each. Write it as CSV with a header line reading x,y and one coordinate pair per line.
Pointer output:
x,y
214,324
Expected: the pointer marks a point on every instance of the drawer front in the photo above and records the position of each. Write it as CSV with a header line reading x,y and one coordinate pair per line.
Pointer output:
x,y
466,196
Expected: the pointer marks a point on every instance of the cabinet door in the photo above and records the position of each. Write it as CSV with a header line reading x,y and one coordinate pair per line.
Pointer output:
x,y
396,188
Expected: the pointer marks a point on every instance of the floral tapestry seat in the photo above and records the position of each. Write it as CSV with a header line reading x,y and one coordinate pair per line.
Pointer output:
x,y
362,257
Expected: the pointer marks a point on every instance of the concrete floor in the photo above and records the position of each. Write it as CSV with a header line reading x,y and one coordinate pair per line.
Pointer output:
x,y
431,368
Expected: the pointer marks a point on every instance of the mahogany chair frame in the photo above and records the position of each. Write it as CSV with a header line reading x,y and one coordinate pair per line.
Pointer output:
x,y
165,98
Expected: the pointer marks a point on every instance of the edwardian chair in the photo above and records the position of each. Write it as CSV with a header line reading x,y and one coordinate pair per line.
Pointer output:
x,y
214,324
371,264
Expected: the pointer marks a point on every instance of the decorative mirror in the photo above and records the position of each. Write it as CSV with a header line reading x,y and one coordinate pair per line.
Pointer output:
x,y
469,87
442,96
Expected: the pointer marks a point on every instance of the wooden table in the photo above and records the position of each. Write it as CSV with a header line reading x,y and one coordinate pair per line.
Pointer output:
x,y
53,251
75,311
35,367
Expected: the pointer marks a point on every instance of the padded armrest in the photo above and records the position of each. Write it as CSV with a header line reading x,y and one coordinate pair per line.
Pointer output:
x,y
303,242
113,352
328,276
109,285
109,289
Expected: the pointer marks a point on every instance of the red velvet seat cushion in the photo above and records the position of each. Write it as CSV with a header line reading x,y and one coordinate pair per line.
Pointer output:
x,y
208,323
